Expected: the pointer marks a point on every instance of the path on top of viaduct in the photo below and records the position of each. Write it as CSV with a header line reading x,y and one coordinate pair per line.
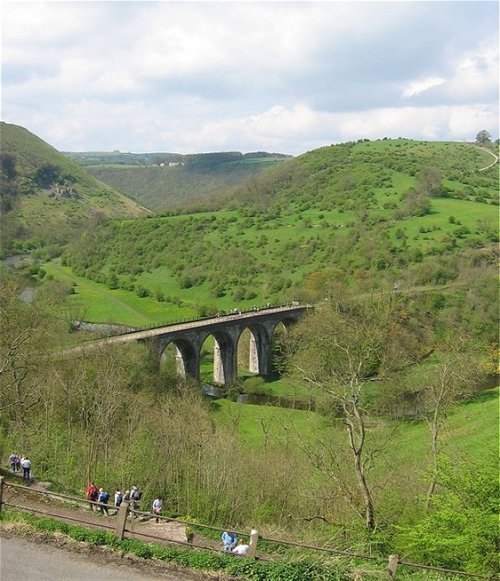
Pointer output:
x,y
188,339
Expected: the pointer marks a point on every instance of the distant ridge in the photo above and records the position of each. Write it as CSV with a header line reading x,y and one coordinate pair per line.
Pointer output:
x,y
168,181
96,158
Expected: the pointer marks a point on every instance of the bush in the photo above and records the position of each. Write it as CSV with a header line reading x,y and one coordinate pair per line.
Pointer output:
x,y
256,385
142,291
186,282
238,294
461,529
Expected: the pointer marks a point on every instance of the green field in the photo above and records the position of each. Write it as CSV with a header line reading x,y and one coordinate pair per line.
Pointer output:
x,y
471,429
96,303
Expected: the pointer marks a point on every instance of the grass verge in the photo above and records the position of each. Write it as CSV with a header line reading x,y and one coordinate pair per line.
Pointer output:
x,y
296,569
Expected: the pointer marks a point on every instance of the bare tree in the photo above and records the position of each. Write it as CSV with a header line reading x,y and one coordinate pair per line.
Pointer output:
x,y
339,350
24,348
453,377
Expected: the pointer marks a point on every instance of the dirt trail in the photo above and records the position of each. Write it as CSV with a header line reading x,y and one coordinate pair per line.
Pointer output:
x,y
492,163
70,511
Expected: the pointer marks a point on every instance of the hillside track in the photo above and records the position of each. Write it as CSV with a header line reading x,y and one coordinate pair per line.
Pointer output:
x,y
70,512
492,163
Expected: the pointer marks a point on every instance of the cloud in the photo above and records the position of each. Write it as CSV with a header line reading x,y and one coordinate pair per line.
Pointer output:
x,y
476,72
192,76
420,86
419,122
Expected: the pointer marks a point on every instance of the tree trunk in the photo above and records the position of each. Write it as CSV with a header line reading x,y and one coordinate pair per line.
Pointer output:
x,y
365,491
357,428
435,452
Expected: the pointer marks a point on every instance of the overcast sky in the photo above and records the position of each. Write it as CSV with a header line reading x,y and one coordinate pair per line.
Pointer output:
x,y
283,76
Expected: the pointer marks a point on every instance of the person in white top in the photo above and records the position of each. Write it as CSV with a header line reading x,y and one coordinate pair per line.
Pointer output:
x,y
156,507
26,466
241,549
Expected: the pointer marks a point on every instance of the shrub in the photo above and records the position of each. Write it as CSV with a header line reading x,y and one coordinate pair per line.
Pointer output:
x,y
255,385
238,294
186,282
142,291
462,231
461,529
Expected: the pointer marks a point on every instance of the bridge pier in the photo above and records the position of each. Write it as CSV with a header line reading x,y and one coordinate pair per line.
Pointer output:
x,y
260,351
226,357
188,339
187,363
253,363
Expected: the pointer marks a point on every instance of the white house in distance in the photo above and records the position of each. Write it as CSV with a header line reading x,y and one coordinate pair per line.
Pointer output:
x,y
170,164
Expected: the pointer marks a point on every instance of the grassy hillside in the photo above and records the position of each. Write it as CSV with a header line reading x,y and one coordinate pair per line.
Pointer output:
x,y
161,188
371,211
373,176
46,196
472,428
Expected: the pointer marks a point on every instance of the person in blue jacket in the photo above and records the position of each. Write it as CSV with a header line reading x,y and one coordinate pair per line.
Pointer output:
x,y
229,541
103,500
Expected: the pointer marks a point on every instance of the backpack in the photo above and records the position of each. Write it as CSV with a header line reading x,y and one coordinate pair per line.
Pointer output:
x,y
136,495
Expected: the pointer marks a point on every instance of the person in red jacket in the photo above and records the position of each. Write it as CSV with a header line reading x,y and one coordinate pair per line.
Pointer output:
x,y
92,493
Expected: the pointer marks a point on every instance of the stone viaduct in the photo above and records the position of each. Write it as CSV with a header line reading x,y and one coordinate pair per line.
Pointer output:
x,y
188,339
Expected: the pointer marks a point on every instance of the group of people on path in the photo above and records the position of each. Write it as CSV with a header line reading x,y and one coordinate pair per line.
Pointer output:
x,y
132,497
231,544
18,463
99,499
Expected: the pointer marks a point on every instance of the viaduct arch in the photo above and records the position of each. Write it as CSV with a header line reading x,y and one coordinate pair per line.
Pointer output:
x,y
188,339
226,332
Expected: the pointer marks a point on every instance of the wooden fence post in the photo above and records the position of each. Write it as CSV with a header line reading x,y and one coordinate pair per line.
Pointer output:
x,y
121,520
252,549
393,565
1,492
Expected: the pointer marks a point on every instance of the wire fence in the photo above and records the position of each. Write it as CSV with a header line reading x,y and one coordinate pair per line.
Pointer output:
x,y
129,511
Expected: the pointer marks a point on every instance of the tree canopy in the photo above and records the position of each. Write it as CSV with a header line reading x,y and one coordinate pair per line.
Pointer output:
x,y
483,137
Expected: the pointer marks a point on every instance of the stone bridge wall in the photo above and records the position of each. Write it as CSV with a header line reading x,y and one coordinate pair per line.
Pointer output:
x,y
226,332
188,338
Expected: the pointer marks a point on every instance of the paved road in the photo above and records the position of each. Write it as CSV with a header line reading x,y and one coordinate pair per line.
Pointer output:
x,y
30,561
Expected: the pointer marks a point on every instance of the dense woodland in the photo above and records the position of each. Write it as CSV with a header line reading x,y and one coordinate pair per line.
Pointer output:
x,y
400,452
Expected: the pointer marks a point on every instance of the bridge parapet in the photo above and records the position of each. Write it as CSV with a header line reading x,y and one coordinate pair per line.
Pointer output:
x,y
188,338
